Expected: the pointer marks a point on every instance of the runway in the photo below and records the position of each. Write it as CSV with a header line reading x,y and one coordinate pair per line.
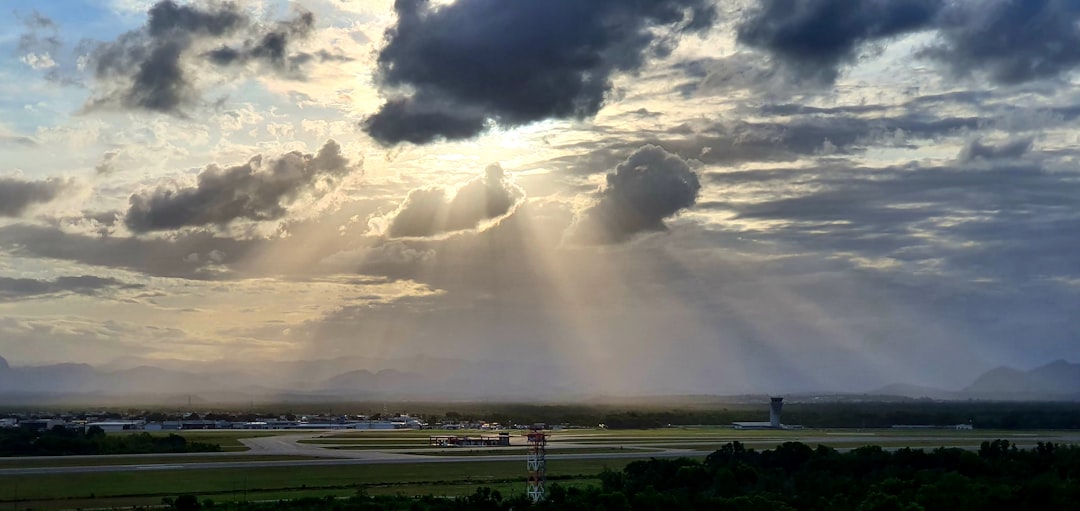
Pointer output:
x,y
637,447
404,459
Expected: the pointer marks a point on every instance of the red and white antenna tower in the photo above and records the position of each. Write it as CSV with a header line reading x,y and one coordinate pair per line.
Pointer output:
x,y
536,462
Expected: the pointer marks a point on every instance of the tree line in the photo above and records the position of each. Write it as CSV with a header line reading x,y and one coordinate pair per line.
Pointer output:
x,y
61,441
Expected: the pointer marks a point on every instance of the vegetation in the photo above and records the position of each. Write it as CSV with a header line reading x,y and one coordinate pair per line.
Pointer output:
x,y
139,459
791,477
60,441
982,415
854,412
143,487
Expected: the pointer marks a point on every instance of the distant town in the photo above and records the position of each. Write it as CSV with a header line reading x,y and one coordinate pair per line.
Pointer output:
x,y
110,422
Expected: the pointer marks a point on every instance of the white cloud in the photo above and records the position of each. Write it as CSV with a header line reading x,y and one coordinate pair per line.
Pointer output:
x,y
38,61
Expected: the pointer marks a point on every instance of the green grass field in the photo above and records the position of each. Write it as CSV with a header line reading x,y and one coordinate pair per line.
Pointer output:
x,y
507,488
94,490
140,459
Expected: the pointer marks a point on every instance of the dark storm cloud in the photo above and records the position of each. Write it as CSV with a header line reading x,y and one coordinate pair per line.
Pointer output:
x,y
21,288
651,185
146,63
17,195
975,150
151,256
429,211
151,68
273,48
420,122
1011,41
261,189
476,62
816,37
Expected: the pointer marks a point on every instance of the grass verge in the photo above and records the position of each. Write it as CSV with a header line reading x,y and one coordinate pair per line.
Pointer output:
x,y
64,491
142,459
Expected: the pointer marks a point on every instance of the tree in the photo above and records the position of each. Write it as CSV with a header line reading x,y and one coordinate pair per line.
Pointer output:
x,y
94,432
186,503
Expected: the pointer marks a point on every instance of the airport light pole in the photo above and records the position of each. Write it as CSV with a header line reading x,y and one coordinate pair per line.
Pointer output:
x,y
536,463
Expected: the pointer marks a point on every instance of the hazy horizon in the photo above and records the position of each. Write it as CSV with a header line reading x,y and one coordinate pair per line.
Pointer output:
x,y
626,197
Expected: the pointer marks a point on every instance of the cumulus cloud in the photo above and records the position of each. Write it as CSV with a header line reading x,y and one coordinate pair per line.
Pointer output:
x,y
1011,41
154,67
651,185
261,189
816,37
432,211
18,195
20,288
479,62
976,150
39,43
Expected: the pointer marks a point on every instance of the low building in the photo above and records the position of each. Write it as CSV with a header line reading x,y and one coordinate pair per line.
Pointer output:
x,y
500,440
42,424
117,426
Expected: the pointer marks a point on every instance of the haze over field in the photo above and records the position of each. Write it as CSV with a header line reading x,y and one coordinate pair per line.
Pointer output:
x,y
623,196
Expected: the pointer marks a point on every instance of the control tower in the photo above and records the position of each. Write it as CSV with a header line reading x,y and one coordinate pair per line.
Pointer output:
x,y
775,407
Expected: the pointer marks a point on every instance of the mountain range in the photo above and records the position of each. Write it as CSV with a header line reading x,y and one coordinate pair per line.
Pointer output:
x,y
421,377
353,378
1056,381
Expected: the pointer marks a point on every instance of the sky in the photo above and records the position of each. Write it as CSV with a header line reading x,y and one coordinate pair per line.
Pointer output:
x,y
653,196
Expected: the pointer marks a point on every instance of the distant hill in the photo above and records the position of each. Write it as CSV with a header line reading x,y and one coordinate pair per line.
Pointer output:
x,y
387,380
300,380
426,377
1056,381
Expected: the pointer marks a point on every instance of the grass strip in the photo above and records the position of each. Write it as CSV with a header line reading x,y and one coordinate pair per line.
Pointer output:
x,y
507,488
94,486
64,461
